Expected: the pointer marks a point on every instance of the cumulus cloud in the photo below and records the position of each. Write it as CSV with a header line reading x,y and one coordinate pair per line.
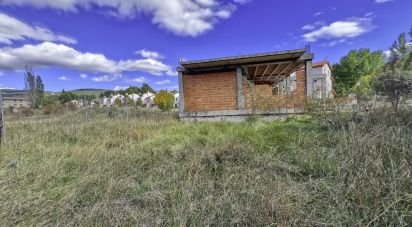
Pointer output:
x,y
107,78
63,78
84,76
51,54
163,82
140,79
318,14
149,54
118,88
12,29
382,1
182,17
340,30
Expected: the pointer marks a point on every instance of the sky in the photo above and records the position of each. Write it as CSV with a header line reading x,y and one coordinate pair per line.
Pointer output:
x,y
113,44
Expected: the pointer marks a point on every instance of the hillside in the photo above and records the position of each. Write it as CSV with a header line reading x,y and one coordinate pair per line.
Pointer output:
x,y
88,91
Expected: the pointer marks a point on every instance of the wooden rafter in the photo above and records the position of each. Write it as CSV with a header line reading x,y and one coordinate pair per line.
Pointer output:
x,y
256,70
266,69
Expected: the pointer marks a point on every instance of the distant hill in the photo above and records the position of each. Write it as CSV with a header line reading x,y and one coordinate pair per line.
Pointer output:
x,y
87,91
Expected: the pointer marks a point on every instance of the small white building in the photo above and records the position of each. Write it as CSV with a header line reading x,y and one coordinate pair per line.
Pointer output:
x,y
134,97
176,103
322,81
148,99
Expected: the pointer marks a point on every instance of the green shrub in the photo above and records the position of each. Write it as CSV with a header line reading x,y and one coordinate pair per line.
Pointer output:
x,y
164,100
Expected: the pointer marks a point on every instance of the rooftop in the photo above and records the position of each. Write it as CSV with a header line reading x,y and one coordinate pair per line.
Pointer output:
x,y
270,57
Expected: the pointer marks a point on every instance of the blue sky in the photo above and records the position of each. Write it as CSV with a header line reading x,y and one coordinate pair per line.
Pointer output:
x,y
113,44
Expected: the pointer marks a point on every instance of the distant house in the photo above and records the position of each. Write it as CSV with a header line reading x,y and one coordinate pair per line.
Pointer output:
x,y
134,97
176,103
15,99
148,99
322,80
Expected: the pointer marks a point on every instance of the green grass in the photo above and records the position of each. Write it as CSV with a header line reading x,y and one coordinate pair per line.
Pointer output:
x,y
156,171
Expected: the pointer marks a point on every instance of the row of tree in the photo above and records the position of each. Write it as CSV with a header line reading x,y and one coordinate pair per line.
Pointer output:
x,y
145,88
366,72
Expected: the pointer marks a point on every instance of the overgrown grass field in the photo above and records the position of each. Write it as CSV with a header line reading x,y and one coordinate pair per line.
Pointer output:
x,y
153,170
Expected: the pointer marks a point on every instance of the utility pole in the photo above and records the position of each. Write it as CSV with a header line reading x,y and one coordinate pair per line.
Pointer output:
x,y
127,112
2,120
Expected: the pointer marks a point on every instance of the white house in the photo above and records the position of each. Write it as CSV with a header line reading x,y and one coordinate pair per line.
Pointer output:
x,y
148,99
176,104
134,97
322,81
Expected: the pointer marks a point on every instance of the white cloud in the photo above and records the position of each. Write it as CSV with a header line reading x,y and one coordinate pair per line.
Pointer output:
x,y
12,29
163,82
318,14
107,78
84,76
338,30
314,25
7,88
50,54
149,54
140,79
382,1
182,17
63,78
118,88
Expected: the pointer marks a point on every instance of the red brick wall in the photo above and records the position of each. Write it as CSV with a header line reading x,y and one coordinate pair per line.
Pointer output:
x,y
217,91
210,91
301,83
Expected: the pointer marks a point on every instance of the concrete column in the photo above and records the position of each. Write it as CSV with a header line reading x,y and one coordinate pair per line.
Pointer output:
x,y
239,89
181,94
309,80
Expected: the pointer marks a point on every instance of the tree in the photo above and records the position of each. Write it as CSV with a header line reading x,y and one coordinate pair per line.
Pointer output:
x,y
400,54
118,102
164,100
106,94
353,67
66,97
395,83
146,88
35,88
133,90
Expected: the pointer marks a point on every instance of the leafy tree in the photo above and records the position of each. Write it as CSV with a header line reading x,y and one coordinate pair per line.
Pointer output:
x,y
35,88
164,100
146,88
400,54
51,100
106,94
395,83
66,97
133,90
118,102
353,67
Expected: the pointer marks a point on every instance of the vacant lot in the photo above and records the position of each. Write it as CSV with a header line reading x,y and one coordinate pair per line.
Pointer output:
x,y
156,171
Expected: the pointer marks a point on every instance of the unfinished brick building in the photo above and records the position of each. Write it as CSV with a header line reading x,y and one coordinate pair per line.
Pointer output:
x,y
236,87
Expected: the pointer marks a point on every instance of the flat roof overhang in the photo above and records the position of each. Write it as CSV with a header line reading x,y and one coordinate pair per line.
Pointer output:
x,y
246,59
261,68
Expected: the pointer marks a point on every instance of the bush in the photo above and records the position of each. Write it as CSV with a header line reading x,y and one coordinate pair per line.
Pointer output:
x,y
164,100
52,109
72,106
26,112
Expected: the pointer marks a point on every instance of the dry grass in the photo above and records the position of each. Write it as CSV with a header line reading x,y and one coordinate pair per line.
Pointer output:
x,y
156,171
